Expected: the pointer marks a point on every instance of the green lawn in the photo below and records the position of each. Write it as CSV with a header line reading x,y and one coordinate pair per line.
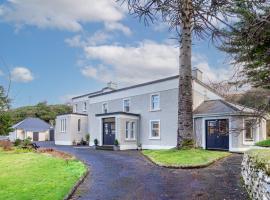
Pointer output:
x,y
29,175
262,158
184,158
264,143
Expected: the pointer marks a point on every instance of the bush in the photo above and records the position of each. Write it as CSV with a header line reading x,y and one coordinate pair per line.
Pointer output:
x,y
26,142
87,137
264,143
116,143
83,142
96,142
17,142
6,145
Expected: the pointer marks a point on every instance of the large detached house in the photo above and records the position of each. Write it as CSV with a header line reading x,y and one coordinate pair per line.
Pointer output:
x,y
146,115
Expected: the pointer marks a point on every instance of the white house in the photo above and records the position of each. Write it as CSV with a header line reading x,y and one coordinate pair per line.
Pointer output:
x,y
146,115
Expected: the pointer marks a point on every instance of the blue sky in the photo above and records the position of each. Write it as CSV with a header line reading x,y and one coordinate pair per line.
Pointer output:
x,y
57,49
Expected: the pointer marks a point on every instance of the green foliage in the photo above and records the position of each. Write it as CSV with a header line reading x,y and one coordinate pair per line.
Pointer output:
x,y
87,137
249,42
116,143
184,157
264,143
261,158
5,123
26,142
41,176
17,142
96,142
4,100
43,111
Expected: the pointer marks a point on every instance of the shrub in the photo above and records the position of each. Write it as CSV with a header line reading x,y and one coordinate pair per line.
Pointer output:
x,y
264,143
6,145
116,143
87,137
83,142
26,142
17,142
96,142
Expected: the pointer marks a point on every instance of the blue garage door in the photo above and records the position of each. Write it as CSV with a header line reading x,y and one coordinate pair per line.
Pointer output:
x,y
217,134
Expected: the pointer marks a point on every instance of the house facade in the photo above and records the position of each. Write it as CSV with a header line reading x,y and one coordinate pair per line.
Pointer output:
x,y
145,115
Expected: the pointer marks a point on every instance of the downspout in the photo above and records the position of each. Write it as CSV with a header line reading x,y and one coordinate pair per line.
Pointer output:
x,y
138,132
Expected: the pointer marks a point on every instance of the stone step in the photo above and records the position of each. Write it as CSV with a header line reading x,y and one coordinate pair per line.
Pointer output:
x,y
105,147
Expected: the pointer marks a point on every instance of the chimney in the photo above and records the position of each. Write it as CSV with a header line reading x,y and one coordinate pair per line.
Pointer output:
x,y
112,85
198,74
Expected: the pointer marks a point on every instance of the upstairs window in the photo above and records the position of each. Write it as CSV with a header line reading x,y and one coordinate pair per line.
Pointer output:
x,y
75,108
79,125
105,107
85,106
155,102
126,105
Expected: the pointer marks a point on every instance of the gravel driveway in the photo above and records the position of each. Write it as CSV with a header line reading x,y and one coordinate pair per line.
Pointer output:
x,y
128,175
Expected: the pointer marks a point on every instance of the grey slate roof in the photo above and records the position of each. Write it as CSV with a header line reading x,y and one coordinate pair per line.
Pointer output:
x,y
220,106
32,124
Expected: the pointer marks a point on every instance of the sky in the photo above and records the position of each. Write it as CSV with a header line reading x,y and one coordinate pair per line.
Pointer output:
x,y
56,49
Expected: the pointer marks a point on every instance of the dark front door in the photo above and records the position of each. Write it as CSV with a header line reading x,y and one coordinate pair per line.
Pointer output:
x,y
108,131
217,134
51,134
35,136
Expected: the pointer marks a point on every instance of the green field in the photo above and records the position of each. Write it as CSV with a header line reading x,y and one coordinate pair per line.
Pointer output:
x,y
29,175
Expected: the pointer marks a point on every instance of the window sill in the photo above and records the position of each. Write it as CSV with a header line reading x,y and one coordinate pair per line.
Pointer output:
x,y
248,142
156,110
154,138
130,140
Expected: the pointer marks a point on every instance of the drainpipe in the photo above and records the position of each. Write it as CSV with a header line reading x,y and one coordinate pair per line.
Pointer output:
x,y
138,131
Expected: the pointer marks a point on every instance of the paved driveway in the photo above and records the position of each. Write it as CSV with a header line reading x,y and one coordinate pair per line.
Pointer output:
x,y
128,175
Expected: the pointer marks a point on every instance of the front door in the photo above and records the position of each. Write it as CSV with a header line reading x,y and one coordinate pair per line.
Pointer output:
x,y
108,131
217,134
35,136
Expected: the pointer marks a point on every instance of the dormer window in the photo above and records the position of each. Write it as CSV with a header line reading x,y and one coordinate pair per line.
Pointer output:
x,y
105,107
126,105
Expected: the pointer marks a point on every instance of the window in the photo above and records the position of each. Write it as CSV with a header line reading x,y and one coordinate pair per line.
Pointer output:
x,y
85,106
126,105
79,125
63,125
155,100
105,107
127,130
130,130
155,129
75,109
249,131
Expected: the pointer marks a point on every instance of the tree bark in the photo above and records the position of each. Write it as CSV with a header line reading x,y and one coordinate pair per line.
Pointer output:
x,y
185,101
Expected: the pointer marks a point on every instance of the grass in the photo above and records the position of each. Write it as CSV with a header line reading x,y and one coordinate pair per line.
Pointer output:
x,y
27,175
261,157
184,158
264,143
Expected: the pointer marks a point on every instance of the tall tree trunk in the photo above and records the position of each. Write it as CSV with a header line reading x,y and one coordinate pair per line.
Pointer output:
x,y
185,101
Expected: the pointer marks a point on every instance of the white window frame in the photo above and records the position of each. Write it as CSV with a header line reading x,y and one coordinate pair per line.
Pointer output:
x,y
150,130
63,125
128,131
253,132
128,99
105,103
85,106
156,109
75,109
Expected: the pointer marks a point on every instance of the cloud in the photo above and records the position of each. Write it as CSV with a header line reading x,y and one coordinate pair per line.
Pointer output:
x,y
21,74
60,14
148,60
112,26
